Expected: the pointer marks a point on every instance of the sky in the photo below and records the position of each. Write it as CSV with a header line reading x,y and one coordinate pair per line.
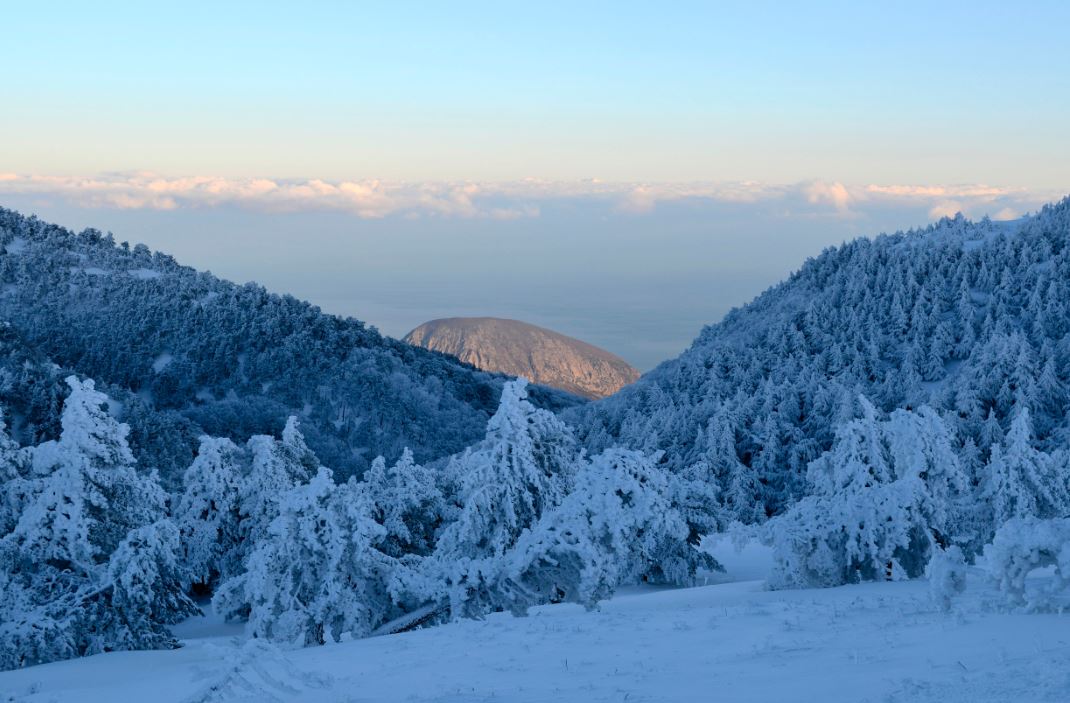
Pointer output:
x,y
624,172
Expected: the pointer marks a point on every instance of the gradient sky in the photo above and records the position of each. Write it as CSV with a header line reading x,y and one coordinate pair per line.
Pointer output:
x,y
888,92
622,172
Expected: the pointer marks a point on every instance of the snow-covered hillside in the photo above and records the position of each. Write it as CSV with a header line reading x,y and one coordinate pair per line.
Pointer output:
x,y
733,641
970,318
199,354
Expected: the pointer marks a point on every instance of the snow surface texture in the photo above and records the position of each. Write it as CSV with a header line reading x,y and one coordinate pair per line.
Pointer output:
x,y
732,641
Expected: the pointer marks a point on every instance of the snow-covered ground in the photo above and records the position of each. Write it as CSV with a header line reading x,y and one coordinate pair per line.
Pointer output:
x,y
730,641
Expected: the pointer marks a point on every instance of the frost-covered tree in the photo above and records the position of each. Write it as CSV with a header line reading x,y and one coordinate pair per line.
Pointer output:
x,y
315,577
1023,545
696,495
406,500
16,487
147,581
883,496
922,446
522,468
729,482
617,526
87,567
90,495
276,466
1023,481
208,512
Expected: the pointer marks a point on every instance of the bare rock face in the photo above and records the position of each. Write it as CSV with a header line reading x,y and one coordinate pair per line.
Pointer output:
x,y
520,349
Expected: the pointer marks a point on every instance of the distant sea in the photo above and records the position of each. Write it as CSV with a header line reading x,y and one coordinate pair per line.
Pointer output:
x,y
641,285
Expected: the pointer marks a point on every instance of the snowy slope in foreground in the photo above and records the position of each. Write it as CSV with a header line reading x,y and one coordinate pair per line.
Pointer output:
x,y
728,642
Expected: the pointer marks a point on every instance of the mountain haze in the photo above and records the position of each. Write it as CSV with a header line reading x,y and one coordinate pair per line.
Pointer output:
x,y
197,354
521,349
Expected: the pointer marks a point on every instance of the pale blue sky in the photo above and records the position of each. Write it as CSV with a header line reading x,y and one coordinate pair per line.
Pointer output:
x,y
775,91
680,157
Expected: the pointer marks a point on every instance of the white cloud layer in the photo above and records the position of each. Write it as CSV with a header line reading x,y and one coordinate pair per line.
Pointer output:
x,y
500,200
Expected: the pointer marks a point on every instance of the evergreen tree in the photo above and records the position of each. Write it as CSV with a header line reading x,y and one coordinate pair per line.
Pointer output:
x,y
87,568
147,587
315,577
406,500
1022,481
275,468
617,526
15,483
90,495
884,496
208,512
522,468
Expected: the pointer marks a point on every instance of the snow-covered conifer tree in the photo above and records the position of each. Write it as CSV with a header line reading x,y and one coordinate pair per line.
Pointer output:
x,y
16,488
522,468
1023,481
884,495
315,577
617,526
406,500
208,511
276,466
90,495
610,529
148,592
88,526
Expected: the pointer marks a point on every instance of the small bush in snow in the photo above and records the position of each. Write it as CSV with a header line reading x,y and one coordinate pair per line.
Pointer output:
x,y
947,575
1022,545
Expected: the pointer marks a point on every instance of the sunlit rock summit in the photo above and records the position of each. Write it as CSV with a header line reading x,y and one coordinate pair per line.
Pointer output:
x,y
521,349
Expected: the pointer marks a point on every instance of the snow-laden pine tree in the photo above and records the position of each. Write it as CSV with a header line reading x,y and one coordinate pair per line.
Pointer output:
x,y
208,511
85,569
741,495
883,496
148,587
89,495
1023,481
316,576
406,500
276,466
618,525
522,468
696,494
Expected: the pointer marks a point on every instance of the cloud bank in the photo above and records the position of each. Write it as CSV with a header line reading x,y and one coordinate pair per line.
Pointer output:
x,y
502,200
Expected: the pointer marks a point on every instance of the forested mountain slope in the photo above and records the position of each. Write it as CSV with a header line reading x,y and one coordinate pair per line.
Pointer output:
x,y
971,318
230,360
33,391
